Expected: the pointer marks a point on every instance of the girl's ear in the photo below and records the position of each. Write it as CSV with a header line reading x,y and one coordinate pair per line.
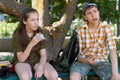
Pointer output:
x,y
24,21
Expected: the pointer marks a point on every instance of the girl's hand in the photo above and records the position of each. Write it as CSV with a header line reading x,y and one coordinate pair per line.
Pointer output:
x,y
38,72
35,39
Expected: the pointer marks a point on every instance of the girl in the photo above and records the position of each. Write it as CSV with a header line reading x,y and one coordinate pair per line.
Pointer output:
x,y
30,49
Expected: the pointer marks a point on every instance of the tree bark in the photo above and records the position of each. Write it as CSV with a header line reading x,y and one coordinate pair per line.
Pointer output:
x,y
54,33
63,25
12,8
42,7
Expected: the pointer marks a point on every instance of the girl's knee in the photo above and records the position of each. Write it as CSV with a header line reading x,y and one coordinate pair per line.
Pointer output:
x,y
52,76
25,76
49,72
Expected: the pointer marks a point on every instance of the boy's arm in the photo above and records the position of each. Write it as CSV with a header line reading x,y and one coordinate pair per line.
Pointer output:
x,y
113,54
114,61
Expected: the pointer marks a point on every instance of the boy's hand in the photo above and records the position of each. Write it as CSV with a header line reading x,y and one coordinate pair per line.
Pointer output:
x,y
115,77
91,60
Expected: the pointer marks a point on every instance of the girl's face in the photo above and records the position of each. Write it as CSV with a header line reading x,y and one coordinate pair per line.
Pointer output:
x,y
32,23
92,15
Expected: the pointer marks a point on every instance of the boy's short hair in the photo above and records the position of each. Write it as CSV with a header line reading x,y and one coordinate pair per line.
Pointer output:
x,y
86,5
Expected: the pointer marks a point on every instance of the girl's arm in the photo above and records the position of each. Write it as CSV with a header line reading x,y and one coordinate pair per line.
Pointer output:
x,y
22,56
43,57
39,68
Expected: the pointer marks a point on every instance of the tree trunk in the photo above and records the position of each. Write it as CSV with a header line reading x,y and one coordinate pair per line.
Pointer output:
x,y
42,7
57,30
55,33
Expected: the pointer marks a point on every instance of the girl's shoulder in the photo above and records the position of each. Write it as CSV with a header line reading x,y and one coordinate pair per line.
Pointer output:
x,y
16,33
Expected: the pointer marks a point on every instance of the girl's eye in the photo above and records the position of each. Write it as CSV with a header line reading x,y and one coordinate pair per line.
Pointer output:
x,y
32,19
38,19
95,11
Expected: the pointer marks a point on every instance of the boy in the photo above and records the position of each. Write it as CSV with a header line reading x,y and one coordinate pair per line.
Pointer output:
x,y
94,40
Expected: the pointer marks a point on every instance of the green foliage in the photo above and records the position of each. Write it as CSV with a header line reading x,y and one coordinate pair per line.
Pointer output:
x,y
28,2
8,56
107,9
118,51
118,44
56,9
75,23
12,19
6,29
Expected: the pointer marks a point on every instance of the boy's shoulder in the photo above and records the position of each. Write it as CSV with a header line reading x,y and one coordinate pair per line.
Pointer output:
x,y
104,24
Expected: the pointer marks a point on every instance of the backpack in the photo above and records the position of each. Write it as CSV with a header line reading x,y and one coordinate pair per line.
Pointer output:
x,y
67,56
6,67
3,71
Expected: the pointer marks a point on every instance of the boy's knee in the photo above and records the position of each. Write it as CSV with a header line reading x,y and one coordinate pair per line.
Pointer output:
x,y
75,76
54,76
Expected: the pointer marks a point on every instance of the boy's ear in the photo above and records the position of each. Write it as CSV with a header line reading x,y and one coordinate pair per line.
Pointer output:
x,y
84,18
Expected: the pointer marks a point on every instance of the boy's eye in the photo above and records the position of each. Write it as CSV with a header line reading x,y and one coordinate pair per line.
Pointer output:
x,y
95,11
89,13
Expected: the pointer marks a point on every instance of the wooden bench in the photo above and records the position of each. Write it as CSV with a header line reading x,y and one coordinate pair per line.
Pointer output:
x,y
13,76
6,49
6,46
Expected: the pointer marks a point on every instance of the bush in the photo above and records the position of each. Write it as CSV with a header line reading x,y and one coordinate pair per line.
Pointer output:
x,y
6,29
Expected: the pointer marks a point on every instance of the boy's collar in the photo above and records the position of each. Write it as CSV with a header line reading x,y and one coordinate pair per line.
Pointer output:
x,y
100,24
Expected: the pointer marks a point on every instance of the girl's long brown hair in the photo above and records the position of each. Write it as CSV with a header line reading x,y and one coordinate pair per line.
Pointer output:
x,y
21,27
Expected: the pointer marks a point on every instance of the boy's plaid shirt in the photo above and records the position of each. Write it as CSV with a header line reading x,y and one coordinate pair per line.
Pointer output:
x,y
97,44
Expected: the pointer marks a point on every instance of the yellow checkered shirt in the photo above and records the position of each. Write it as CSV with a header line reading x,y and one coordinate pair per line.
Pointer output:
x,y
97,44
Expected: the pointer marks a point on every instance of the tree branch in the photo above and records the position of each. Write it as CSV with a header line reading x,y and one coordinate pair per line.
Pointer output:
x,y
62,26
69,10
68,14
12,8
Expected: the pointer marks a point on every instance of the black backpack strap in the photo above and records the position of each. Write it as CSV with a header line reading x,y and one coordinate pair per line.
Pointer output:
x,y
74,47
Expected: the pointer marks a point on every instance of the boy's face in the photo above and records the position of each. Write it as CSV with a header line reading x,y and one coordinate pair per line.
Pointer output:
x,y
92,15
